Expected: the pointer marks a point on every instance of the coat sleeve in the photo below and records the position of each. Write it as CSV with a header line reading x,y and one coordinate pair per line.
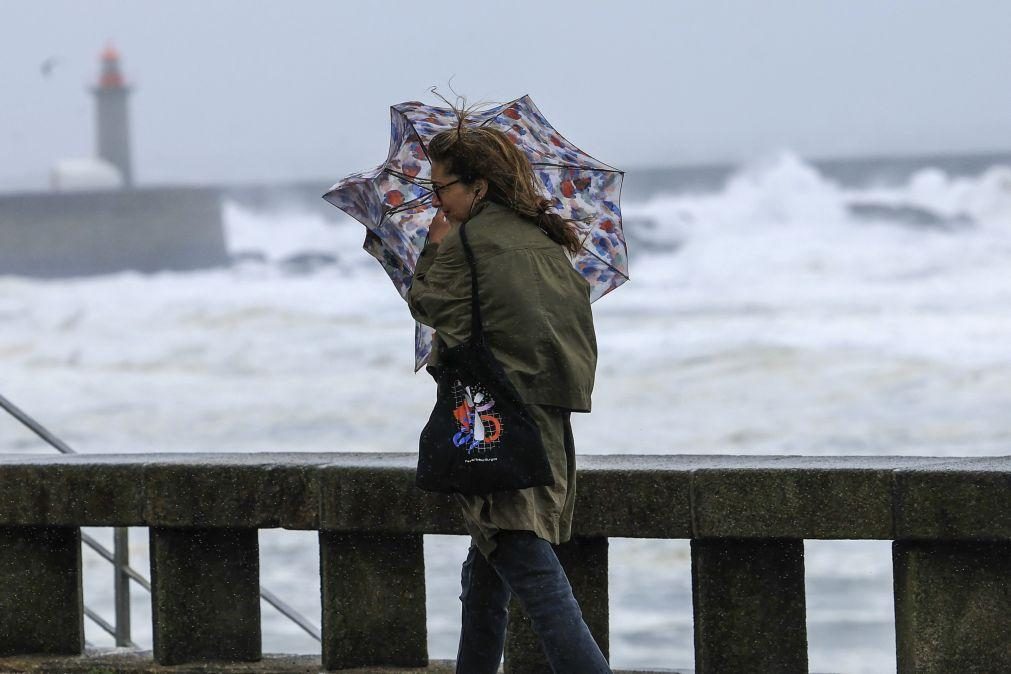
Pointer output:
x,y
439,296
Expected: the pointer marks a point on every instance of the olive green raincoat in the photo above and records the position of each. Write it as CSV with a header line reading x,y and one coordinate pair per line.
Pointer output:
x,y
536,313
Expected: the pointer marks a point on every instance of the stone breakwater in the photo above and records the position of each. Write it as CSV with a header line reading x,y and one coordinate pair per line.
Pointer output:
x,y
61,234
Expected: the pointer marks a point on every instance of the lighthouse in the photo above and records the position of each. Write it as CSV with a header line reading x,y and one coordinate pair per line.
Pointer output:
x,y
112,119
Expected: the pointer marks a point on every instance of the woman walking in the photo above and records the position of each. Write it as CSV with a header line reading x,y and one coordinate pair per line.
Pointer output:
x,y
538,325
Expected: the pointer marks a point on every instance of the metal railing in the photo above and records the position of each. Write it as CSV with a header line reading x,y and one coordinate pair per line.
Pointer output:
x,y
119,557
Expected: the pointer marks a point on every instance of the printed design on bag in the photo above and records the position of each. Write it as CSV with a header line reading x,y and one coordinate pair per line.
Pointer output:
x,y
480,427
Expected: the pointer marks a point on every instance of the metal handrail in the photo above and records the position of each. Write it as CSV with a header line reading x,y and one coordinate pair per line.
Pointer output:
x,y
120,560
101,622
35,426
110,557
291,614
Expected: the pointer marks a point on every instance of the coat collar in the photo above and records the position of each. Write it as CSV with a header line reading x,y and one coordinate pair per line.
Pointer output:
x,y
489,208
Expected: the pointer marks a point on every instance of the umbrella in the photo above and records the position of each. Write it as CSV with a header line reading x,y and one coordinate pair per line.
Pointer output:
x,y
393,201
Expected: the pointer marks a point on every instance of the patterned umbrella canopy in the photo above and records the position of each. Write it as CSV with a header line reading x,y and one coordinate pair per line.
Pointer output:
x,y
393,201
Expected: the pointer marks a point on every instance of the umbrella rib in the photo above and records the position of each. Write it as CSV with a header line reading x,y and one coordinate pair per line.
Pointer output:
x,y
406,206
504,106
417,135
609,265
484,123
534,106
573,167
607,167
405,177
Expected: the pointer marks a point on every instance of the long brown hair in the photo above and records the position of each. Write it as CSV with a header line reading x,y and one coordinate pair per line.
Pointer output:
x,y
472,152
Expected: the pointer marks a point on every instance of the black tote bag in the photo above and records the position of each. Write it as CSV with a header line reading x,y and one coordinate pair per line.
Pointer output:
x,y
480,437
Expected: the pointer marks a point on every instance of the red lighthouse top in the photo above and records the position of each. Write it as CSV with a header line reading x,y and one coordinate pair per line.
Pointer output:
x,y
111,77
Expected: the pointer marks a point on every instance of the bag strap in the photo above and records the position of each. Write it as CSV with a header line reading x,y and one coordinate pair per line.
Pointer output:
x,y
476,325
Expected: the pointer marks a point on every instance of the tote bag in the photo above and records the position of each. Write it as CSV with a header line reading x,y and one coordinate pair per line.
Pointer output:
x,y
480,438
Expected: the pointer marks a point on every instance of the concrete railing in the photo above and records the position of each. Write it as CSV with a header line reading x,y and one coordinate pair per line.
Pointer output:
x,y
747,518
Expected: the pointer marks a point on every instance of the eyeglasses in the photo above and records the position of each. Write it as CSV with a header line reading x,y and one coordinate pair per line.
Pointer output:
x,y
437,190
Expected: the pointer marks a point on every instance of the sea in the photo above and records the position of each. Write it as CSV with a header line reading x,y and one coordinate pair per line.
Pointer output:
x,y
778,306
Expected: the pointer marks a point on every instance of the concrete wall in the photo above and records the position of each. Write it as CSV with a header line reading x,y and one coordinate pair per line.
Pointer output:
x,y
74,234
747,518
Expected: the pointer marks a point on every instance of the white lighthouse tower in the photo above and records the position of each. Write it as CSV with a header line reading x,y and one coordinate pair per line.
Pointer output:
x,y
112,119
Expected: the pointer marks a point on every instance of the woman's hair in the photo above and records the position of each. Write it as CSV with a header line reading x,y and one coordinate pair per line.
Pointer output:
x,y
472,152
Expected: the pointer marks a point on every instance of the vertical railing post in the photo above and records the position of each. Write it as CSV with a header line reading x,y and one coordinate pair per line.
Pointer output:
x,y
952,566
41,594
205,594
952,606
373,600
749,605
121,584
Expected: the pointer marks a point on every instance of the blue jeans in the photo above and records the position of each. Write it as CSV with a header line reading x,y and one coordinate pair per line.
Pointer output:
x,y
525,565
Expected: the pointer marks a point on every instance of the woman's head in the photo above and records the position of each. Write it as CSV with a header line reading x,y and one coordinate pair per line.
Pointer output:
x,y
474,163
456,194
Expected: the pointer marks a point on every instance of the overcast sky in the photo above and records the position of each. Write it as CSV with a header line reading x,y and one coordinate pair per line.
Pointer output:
x,y
248,91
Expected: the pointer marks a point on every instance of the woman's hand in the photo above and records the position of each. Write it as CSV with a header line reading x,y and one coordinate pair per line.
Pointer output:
x,y
439,228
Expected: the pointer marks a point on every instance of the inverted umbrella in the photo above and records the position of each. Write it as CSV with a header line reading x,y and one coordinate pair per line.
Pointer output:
x,y
393,201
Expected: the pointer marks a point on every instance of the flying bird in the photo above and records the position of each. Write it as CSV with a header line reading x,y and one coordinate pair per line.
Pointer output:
x,y
48,65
